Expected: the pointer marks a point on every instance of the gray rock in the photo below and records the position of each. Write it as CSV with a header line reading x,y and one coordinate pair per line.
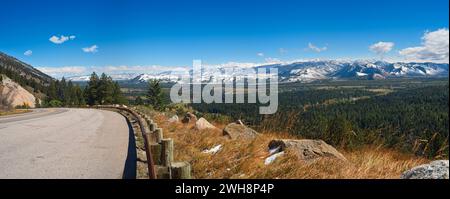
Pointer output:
x,y
203,124
238,131
435,170
307,149
189,117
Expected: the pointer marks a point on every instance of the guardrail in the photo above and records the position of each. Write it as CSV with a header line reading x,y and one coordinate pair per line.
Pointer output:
x,y
158,150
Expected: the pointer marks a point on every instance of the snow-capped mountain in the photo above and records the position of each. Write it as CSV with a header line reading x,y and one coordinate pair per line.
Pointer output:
x,y
116,77
363,69
167,76
305,71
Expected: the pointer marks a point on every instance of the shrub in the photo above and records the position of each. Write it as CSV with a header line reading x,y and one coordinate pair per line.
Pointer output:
x,y
55,103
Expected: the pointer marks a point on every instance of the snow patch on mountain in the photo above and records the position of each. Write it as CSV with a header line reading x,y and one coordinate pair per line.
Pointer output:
x,y
301,71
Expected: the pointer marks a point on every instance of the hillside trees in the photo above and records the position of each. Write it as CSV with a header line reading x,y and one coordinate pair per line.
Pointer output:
x,y
63,93
99,91
7,68
103,90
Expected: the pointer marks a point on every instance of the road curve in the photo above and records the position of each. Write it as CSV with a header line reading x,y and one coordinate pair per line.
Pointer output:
x,y
64,143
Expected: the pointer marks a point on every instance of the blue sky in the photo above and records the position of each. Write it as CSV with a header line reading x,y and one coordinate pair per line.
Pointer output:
x,y
173,33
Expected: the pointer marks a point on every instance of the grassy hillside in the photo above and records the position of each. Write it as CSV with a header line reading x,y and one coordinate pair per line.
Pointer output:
x,y
245,159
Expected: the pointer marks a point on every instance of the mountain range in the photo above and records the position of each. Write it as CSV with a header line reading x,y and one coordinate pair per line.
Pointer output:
x,y
302,71
307,71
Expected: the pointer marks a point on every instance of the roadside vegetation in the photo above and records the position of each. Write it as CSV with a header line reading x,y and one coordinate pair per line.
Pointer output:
x,y
411,118
243,159
13,112
369,156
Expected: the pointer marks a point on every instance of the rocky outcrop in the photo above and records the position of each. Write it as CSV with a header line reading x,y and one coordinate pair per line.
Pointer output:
x,y
203,124
434,170
239,131
306,149
189,117
12,94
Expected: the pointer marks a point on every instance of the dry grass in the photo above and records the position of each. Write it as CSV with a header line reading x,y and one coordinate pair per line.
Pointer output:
x,y
245,159
13,112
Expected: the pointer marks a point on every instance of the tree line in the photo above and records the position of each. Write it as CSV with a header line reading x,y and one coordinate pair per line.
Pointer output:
x,y
98,91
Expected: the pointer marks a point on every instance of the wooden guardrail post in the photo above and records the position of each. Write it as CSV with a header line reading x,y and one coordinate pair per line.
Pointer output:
x,y
181,170
158,135
148,152
163,172
167,152
149,122
156,150
153,127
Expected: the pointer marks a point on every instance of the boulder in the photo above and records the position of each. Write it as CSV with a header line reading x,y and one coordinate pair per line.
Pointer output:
x,y
12,94
173,119
307,149
203,124
435,170
189,117
238,131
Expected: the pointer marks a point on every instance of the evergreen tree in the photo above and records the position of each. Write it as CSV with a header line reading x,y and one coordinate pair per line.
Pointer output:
x,y
339,132
37,103
154,94
118,97
52,93
80,95
68,94
102,91
91,94
105,90
139,101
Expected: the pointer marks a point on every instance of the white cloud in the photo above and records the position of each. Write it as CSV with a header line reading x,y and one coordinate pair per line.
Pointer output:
x,y
63,71
381,47
435,47
28,53
92,49
61,39
260,54
316,49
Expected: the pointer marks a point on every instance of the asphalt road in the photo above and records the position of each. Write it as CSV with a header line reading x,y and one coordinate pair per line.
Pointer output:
x,y
64,143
